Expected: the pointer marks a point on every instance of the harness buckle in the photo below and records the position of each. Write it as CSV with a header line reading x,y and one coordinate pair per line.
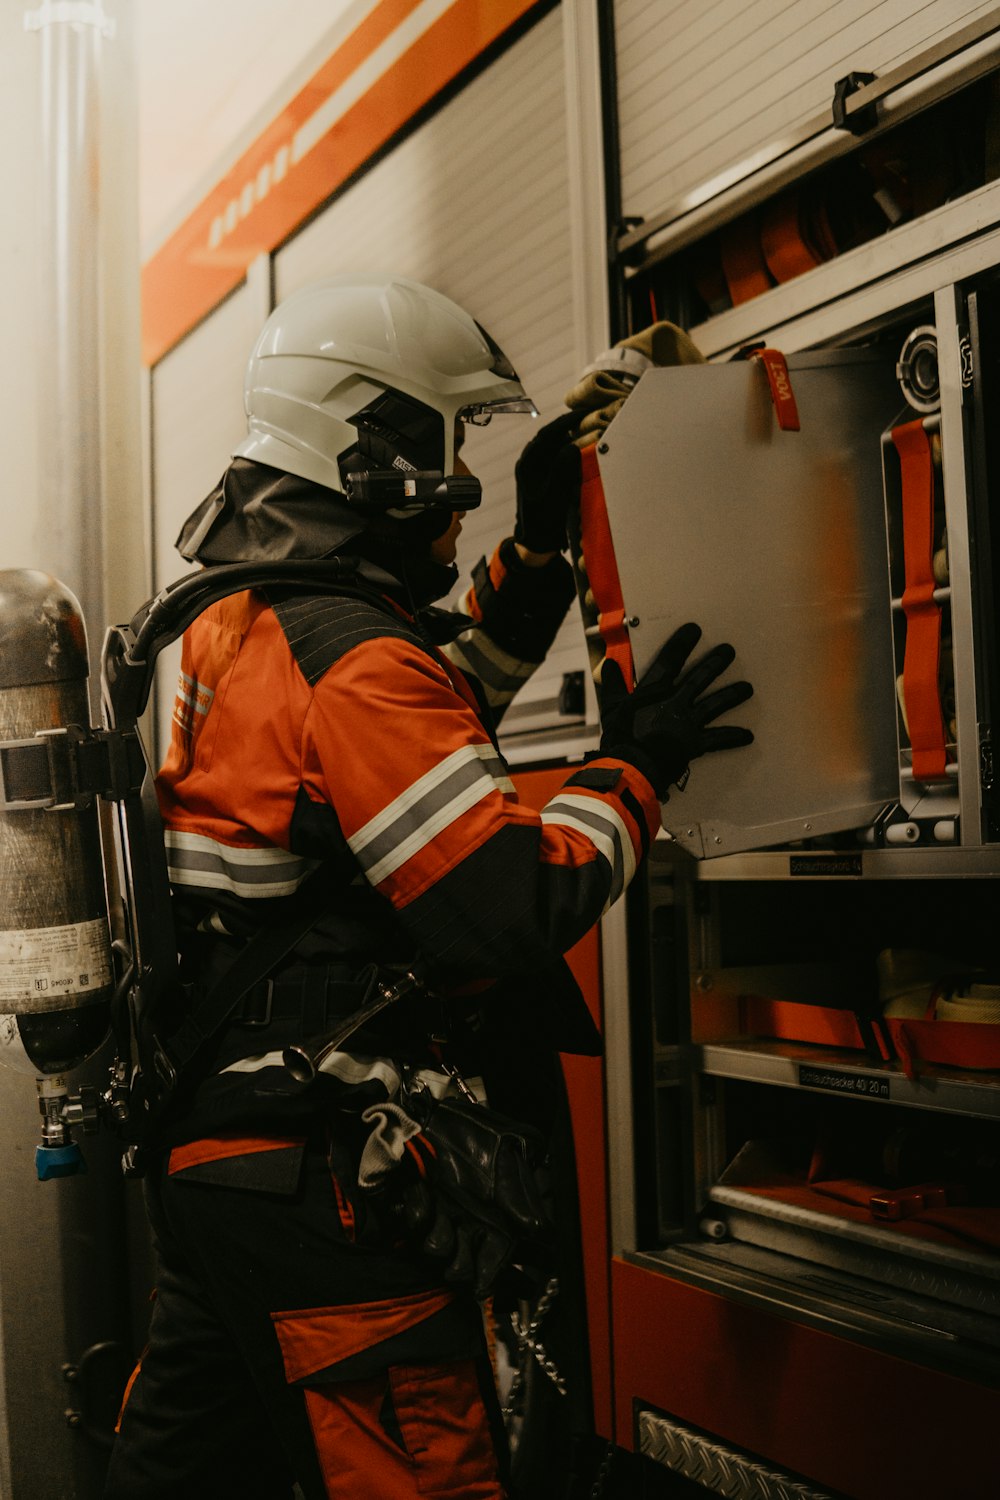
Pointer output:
x,y
249,1017
164,1072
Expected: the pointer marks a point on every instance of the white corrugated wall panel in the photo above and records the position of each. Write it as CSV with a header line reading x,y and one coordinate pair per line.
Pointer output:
x,y
476,203
702,86
197,418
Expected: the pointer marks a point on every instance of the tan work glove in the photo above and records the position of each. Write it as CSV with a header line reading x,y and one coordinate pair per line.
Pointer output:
x,y
607,381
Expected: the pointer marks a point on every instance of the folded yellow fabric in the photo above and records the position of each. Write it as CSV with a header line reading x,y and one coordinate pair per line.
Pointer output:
x,y
607,380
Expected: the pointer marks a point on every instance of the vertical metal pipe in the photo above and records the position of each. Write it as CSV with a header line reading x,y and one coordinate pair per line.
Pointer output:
x,y
75,1228
70,533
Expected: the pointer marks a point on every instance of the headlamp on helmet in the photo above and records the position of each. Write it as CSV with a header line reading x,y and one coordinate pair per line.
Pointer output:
x,y
389,492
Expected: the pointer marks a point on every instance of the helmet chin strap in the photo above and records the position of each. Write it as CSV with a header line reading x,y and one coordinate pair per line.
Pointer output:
x,y
437,579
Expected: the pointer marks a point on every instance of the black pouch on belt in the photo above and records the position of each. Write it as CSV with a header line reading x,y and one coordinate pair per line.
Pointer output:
x,y
470,1189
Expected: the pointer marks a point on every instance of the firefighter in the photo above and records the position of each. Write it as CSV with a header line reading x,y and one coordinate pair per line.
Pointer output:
x,y
300,1333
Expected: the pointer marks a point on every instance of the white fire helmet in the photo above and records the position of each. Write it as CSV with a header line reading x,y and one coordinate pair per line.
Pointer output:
x,y
367,371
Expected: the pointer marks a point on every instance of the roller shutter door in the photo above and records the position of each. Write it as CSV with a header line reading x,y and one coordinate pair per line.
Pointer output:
x,y
197,418
702,86
476,203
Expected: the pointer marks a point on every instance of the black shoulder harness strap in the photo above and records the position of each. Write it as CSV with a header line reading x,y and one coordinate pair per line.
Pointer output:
x,y
171,1060
321,628
146,991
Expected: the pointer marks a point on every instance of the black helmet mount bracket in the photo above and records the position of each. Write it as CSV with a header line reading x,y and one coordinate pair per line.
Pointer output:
x,y
378,491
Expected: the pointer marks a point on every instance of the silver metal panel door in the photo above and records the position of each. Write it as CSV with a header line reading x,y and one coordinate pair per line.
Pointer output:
x,y
776,541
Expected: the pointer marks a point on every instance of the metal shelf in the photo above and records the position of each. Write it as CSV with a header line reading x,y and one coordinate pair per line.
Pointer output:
x,y
921,862
847,1074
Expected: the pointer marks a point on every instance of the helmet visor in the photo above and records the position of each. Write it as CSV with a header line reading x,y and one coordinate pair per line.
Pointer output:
x,y
480,413
500,364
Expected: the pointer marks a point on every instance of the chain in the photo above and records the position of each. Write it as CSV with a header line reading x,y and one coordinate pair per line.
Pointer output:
x,y
545,1301
528,1342
601,1477
526,1331
513,1396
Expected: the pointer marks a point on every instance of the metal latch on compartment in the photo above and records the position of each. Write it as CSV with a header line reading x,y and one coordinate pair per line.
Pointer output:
x,y
858,121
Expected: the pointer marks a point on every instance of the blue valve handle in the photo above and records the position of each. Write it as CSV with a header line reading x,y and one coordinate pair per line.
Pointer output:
x,y
58,1161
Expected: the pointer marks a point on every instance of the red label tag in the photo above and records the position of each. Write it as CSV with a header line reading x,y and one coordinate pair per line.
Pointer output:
x,y
780,382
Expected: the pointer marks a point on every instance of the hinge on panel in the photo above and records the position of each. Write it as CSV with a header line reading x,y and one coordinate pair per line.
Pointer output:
x,y
967,364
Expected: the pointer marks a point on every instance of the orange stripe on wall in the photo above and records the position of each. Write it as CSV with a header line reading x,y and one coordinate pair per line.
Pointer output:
x,y
189,274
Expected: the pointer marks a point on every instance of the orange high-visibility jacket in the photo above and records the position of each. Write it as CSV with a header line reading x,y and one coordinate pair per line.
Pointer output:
x,y
303,722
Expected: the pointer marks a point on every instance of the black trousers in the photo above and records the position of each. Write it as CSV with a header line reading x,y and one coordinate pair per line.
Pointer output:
x,y
290,1342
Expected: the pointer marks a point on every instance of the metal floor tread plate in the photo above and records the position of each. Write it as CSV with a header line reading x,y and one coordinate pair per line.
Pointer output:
x,y
716,1466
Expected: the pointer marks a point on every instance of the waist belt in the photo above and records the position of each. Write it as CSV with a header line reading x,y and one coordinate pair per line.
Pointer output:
x,y
295,1007
314,996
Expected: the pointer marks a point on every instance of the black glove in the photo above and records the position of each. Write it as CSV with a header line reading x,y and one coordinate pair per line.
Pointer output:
x,y
471,1193
662,725
547,476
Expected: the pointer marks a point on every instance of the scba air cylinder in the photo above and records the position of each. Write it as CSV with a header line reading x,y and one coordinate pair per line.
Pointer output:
x,y
55,954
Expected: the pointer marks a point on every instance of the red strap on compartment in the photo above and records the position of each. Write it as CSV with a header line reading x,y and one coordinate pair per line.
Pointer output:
x,y
602,569
922,658
743,262
780,382
784,245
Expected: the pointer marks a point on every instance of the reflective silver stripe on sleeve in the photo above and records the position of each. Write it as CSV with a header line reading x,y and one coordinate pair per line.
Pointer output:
x,y
196,859
601,824
501,674
416,817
